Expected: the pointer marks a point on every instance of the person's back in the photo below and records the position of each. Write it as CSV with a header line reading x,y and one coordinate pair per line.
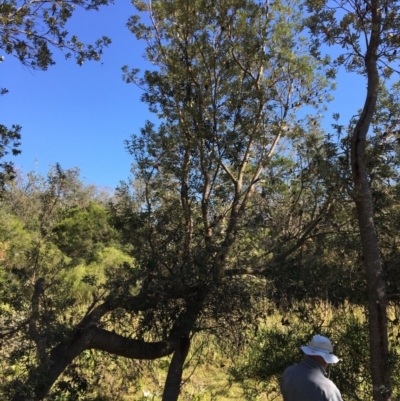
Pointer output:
x,y
307,380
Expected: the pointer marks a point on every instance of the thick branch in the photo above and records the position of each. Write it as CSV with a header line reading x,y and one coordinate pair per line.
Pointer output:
x,y
115,344
33,330
88,336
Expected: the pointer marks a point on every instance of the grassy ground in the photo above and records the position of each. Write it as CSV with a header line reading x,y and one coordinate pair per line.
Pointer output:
x,y
205,378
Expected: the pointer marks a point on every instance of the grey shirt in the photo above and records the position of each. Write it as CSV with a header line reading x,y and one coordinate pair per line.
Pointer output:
x,y
307,381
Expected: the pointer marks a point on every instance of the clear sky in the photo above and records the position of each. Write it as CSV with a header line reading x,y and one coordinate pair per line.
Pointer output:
x,y
80,116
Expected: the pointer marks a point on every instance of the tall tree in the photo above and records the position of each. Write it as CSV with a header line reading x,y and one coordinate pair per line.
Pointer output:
x,y
368,32
230,77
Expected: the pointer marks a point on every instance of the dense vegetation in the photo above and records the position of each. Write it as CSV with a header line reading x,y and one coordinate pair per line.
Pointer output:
x,y
245,228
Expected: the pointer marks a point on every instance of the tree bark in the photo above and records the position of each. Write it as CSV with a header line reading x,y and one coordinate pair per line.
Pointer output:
x,y
187,322
377,297
172,386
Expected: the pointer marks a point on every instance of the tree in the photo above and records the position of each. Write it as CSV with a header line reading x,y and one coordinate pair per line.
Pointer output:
x,y
230,77
368,32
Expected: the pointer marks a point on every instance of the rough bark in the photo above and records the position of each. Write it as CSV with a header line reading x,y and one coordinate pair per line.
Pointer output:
x,y
376,285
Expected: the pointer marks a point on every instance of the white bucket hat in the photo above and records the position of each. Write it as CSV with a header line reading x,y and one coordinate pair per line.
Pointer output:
x,y
322,346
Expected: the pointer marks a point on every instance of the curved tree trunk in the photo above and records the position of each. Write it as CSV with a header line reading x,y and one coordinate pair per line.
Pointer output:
x,y
377,297
44,376
41,379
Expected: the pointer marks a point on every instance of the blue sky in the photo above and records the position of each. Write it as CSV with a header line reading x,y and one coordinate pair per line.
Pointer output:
x,y
80,116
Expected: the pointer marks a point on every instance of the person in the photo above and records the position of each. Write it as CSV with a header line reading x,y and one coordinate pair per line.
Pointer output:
x,y
308,381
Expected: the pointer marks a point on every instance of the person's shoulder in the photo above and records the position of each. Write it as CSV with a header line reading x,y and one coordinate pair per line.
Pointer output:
x,y
333,391
290,369
331,384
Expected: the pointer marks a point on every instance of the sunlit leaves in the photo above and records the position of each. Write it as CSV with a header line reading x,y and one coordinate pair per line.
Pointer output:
x,y
9,144
349,23
28,30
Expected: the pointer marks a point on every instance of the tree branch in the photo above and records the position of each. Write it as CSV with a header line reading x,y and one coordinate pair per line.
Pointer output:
x,y
116,344
33,330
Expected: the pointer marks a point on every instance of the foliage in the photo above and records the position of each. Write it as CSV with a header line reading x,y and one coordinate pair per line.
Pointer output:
x,y
228,92
9,142
29,29
349,24
32,213
83,232
276,347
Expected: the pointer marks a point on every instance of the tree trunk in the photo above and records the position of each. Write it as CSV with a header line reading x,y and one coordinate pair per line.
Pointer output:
x,y
174,378
187,322
376,285
377,297
41,379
